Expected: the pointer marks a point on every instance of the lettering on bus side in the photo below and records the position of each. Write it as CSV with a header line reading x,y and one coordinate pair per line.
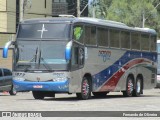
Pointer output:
x,y
104,54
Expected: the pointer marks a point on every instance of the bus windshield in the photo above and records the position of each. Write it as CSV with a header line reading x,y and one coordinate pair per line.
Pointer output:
x,y
44,30
40,55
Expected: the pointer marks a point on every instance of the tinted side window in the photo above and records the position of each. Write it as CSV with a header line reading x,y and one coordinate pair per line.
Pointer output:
x,y
93,35
125,39
102,37
145,42
7,72
153,43
135,41
90,35
87,35
114,38
75,55
1,73
78,33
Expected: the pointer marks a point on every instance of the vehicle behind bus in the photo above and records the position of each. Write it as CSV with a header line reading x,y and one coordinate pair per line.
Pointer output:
x,y
158,65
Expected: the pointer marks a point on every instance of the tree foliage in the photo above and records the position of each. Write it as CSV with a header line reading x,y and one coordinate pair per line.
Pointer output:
x,y
135,13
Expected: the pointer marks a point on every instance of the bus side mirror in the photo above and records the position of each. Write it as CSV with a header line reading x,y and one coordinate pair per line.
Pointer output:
x,y
68,50
5,49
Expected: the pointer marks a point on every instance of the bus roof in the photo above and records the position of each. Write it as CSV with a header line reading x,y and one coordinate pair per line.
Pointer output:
x,y
94,21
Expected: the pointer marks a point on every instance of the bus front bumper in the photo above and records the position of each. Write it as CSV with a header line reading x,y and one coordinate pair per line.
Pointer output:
x,y
60,86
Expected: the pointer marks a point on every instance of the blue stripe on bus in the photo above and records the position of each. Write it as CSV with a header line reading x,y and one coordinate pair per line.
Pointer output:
x,y
102,77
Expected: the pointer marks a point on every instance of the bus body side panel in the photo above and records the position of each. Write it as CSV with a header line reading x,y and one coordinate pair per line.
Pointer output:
x,y
100,63
110,68
148,74
75,81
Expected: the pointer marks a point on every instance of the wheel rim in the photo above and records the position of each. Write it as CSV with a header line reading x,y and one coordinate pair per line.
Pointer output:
x,y
130,87
85,88
138,86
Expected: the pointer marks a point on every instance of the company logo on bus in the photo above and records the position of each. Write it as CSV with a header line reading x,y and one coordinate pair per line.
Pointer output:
x,y
104,54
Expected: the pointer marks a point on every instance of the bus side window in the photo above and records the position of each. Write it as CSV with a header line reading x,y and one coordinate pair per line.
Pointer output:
x,y
125,39
90,35
78,33
145,42
75,56
153,43
135,41
102,37
114,38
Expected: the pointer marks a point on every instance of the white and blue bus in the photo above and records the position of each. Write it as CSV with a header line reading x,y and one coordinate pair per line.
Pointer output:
x,y
82,56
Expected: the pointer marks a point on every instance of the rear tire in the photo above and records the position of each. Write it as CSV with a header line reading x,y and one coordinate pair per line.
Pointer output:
x,y
138,88
129,87
38,94
13,91
85,89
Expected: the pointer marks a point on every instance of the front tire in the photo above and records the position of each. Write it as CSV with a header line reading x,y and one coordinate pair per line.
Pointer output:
x,y
38,94
85,89
129,87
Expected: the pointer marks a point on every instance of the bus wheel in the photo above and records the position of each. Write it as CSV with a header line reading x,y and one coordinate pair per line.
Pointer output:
x,y
13,91
85,89
138,89
38,94
129,87
100,94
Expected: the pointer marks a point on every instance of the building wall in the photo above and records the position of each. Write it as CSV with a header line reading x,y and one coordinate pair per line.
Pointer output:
x,y
39,9
11,16
3,16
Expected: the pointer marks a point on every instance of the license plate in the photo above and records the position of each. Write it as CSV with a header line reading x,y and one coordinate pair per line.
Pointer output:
x,y
37,86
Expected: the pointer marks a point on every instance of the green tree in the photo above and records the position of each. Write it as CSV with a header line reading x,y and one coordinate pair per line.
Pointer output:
x,y
101,7
156,3
119,11
135,13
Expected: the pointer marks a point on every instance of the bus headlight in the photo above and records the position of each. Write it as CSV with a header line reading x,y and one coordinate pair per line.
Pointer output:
x,y
18,76
59,77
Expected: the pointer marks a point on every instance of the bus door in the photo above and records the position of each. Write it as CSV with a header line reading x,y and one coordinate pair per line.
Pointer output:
x,y
77,63
78,56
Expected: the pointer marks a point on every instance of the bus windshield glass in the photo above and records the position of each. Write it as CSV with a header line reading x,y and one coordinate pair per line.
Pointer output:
x,y
42,55
44,31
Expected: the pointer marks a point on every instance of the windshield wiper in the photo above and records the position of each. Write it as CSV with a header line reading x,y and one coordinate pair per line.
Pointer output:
x,y
33,59
44,63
